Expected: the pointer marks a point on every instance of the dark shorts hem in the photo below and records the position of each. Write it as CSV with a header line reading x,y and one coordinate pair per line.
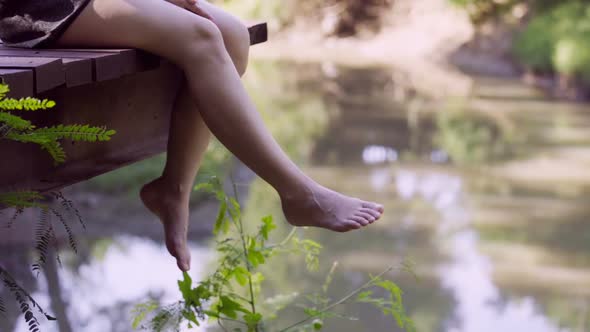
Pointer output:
x,y
53,34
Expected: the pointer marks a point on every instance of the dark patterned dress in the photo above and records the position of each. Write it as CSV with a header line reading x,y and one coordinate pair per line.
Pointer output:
x,y
36,23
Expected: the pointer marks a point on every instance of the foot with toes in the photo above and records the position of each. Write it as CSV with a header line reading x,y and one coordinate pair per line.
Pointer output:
x,y
172,208
322,207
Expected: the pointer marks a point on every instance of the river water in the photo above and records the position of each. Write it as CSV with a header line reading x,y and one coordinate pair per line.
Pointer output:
x,y
486,196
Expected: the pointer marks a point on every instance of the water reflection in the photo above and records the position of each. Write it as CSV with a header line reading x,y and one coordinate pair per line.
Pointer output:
x,y
101,294
489,201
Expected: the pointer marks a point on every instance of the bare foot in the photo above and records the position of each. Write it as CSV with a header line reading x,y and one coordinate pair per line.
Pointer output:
x,y
173,210
322,207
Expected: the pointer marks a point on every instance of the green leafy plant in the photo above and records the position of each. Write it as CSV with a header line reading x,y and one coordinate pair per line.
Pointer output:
x,y
232,295
556,40
15,128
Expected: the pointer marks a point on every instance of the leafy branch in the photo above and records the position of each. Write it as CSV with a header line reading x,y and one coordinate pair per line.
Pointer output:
x,y
15,128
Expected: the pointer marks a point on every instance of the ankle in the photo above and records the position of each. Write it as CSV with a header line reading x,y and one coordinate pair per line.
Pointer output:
x,y
299,191
170,190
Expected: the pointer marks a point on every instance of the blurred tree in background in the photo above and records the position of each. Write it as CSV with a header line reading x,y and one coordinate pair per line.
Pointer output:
x,y
553,36
337,17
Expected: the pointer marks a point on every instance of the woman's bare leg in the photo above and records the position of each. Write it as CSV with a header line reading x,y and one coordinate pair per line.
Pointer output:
x,y
168,196
195,44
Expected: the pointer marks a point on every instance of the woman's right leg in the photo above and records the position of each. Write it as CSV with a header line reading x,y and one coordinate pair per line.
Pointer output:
x,y
195,45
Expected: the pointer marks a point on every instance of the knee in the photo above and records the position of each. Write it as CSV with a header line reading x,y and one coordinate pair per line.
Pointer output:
x,y
237,42
203,42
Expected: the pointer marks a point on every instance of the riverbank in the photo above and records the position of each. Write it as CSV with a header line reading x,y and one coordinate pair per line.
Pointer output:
x,y
431,46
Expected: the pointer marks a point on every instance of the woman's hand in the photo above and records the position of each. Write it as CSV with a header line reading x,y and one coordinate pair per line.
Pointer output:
x,y
194,6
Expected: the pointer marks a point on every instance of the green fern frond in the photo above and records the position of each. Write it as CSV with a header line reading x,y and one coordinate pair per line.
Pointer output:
x,y
21,199
15,122
4,89
26,104
84,133
27,137
56,151
52,146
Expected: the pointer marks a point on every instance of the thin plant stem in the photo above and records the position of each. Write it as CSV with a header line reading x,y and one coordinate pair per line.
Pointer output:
x,y
339,302
248,266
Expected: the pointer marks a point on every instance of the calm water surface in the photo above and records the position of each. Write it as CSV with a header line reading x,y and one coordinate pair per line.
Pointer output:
x,y
488,197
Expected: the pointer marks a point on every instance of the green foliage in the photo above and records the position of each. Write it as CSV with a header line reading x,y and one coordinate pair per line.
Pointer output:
x,y
558,40
555,37
232,295
535,45
471,138
572,56
15,128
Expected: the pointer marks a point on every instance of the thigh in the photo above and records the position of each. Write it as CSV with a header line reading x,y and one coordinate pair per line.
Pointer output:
x,y
156,26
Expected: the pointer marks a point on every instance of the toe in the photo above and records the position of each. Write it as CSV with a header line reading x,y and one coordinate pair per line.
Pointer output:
x,y
345,227
373,206
183,260
369,218
376,214
179,250
359,221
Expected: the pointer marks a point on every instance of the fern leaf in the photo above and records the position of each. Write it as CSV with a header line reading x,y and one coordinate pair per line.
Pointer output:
x,y
4,89
68,206
76,132
47,143
15,122
23,295
21,199
71,238
27,137
16,214
56,151
44,235
26,104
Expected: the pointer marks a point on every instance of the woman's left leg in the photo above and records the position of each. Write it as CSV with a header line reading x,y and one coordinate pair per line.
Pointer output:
x,y
168,196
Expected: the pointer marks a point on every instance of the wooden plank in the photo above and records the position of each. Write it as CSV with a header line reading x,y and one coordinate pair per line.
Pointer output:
x,y
21,82
48,72
78,72
114,63
106,64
